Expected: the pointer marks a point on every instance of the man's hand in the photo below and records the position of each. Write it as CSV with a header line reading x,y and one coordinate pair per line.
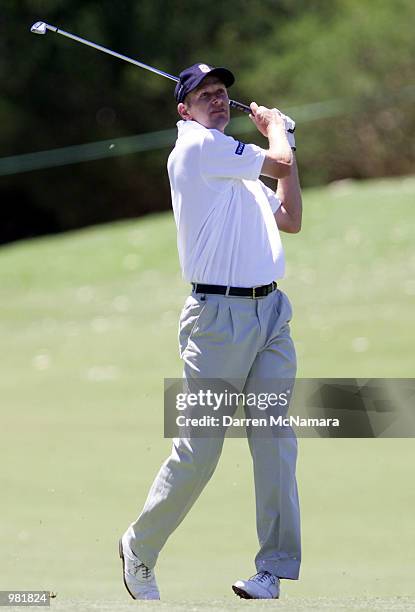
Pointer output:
x,y
266,119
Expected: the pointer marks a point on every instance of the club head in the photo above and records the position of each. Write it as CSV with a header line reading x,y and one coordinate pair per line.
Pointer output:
x,y
39,27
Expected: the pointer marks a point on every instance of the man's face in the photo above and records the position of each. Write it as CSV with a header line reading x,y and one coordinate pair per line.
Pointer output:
x,y
208,104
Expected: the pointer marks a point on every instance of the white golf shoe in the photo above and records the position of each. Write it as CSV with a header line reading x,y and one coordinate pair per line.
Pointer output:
x,y
139,580
261,586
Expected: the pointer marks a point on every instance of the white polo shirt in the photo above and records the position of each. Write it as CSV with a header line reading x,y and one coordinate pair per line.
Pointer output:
x,y
227,234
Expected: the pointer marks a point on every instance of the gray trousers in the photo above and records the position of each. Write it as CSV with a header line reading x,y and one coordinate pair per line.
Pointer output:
x,y
231,338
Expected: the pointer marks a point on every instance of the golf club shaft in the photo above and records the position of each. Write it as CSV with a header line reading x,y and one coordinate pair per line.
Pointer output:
x,y
232,103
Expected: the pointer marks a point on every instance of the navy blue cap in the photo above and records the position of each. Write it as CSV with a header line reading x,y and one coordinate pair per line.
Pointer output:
x,y
193,76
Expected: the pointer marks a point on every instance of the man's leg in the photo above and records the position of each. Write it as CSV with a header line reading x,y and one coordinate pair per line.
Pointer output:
x,y
212,346
274,458
177,486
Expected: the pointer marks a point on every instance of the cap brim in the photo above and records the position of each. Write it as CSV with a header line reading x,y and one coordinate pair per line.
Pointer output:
x,y
223,74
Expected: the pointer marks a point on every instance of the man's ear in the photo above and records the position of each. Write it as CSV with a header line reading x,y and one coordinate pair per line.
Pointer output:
x,y
184,112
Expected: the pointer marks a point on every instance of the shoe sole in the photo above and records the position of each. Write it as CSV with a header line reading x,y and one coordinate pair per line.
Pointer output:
x,y
241,593
245,595
123,568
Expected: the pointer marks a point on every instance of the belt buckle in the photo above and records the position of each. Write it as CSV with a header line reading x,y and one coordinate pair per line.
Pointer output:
x,y
253,291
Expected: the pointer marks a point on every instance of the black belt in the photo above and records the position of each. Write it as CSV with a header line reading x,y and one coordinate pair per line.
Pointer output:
x,y
251,292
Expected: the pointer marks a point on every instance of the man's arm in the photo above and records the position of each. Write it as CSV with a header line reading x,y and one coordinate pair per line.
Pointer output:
x,y
279,157
289,214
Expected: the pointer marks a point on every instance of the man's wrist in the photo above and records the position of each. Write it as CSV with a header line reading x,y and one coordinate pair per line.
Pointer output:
x,y
276,128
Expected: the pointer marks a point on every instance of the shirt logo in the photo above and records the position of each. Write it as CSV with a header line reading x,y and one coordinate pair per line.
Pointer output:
x,y
204,68
240,148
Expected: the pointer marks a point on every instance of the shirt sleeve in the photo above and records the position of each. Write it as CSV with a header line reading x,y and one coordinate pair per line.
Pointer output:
x,y
224,157
273,199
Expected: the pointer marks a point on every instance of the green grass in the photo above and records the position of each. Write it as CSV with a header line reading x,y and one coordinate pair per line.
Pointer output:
x,y
88,331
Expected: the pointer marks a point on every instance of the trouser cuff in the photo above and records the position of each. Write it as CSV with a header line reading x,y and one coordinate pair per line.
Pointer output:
x,y
283,568
141,551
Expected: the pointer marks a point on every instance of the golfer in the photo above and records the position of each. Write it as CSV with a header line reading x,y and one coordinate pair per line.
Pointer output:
x,y
234,324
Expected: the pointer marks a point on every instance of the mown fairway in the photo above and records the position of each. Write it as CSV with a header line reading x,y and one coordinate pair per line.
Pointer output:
x,y
88,332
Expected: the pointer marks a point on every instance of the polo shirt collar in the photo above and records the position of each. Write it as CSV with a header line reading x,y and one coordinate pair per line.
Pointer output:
x,y
184,127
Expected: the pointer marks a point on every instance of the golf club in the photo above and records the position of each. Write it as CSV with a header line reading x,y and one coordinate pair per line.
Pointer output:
x,y
40,27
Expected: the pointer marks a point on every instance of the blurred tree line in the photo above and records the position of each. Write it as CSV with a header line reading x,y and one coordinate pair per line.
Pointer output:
x,y
357,56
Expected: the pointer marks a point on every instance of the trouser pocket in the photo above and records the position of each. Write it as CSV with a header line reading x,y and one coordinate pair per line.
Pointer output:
x,y
190,316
